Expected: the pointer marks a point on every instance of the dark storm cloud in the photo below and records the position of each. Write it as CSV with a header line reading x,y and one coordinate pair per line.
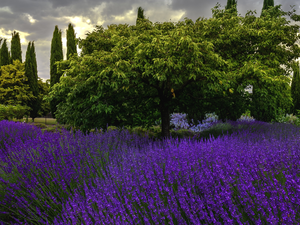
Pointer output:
x,y
35,20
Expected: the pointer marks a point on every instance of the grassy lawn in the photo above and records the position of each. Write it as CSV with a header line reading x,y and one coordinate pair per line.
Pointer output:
x,y
247,176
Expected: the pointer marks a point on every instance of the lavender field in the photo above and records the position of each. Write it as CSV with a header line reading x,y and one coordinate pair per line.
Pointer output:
x,y
248,177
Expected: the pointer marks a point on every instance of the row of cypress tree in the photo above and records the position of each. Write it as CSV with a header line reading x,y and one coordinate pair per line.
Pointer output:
x,y
30,68
57,55
33,97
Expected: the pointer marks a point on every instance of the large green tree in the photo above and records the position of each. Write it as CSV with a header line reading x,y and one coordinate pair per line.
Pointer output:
x,y
31,74
13,90
251,47
131,72
16,51
56,56
295,88
4,54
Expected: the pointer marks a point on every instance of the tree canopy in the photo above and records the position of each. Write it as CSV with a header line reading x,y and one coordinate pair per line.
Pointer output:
x,y
234,45
124,72
13,90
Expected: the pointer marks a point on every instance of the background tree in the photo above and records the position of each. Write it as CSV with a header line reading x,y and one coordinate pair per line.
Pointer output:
x,y
194,115
71,44
16,51
13,90
4,54
31,74
295,88
253,47
267,4
140,15
10,59
231,4
56,56
43,91
111,87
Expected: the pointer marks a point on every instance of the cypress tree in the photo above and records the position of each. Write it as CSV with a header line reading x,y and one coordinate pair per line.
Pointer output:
x,y
0,50
31,74
267,4
56,55
71,45
230,4
16,51
140,15
295,88
10,58
4,55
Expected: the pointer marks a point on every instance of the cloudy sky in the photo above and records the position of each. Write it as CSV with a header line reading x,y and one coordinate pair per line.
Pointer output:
x,y
35,20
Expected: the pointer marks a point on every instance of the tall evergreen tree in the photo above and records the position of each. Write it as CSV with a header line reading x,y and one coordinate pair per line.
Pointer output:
x,y
295,88
16,51
140,14
56,55
31,74
71,45
230,4
10,60
267,4
4,54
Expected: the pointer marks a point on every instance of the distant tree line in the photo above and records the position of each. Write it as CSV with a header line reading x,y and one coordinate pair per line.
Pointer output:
x,y
19,82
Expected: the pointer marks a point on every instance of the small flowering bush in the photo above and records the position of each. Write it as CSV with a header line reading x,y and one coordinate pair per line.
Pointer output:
x,y
180,122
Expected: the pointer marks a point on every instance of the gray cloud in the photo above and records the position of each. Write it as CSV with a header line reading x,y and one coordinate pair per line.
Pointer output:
x,y
35,20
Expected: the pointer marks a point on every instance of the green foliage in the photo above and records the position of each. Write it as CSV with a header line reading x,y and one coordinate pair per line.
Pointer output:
x,y
43,91
140,15
56,55
295,88
4,55
128,73
71,46
13,89
239,52
16,51
31,74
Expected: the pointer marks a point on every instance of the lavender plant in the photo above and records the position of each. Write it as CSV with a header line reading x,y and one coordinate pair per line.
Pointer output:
x,y
120,178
